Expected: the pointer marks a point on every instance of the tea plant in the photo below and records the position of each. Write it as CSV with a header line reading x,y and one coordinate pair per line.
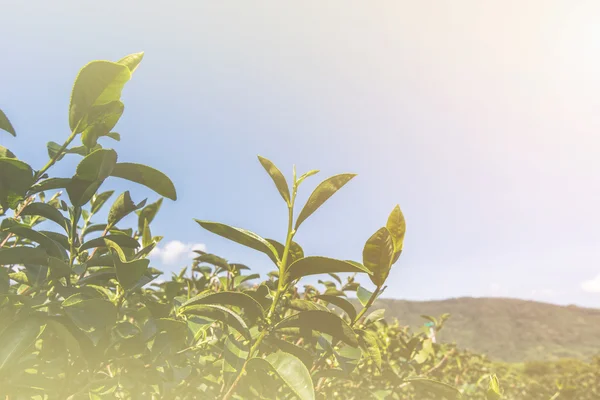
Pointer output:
x,y
80,315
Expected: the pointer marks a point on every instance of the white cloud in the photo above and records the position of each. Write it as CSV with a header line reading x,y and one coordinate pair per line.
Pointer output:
x,y
175,251
592,285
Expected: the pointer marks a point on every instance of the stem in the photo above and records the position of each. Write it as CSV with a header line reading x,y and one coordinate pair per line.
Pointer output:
x,y
367,306
58,154
281,288
72,239
92,255
358,317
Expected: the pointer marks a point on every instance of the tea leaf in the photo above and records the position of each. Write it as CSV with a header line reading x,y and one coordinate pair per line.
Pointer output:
x,y
94,316
47,211
122,207
321,194
277,177
98,200
430,386
295,252
397,227
378,254
363,295
241,236
321,321
368,342
16,338
23,255
121,240
6,125
48,244
250,306
98,83
219,313
147,176
16,177
132,61
291,371
128,272
493,392
340,302
6,153
315,265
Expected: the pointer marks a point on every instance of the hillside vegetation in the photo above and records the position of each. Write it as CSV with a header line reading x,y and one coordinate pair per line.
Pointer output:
x,y
509,330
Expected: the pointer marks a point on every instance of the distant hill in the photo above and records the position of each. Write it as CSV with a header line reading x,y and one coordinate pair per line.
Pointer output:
x,y
507,329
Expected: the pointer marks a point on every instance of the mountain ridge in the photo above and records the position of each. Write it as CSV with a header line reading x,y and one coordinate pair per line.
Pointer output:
x,y
506,329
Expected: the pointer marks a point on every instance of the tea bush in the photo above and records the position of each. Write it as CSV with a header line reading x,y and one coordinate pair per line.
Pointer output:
x,y
82,317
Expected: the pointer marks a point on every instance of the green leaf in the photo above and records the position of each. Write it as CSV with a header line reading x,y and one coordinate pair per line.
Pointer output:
x,y
48,244
114,135
148,213
321,265
57,268
122,207
132,61
47,211
99,199
304,355
375,316
146,235
23,255
340,302
6,125
321,194
16,177
96,166
493,392
238,280
363,295
50,184
213,260
147,176
291,371
6,153
128,272
17,338
295,252
368,342
277,177
98,83
436,388
306,175
90,173
241,236
54,148
220,313
94,316
378,254
397,227
100,121
237,299
348,358
321,321
306,305
121,240
235,353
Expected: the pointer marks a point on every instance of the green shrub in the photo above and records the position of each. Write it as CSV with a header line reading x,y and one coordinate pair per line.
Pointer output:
x,y
82,317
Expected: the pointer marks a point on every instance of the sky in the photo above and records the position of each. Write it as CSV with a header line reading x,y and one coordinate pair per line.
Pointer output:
x,y
479,118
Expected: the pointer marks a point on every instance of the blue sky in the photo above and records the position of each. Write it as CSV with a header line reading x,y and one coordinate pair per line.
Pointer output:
x,y
479,118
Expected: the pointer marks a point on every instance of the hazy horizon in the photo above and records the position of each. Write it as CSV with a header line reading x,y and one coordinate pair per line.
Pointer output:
x,y
480,119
